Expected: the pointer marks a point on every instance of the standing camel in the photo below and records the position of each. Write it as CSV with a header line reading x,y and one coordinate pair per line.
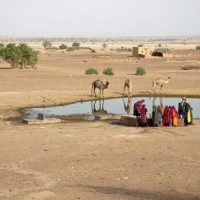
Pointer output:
x,y
160,82
100,85
128,85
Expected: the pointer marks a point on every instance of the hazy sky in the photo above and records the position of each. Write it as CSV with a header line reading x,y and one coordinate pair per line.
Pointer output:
x,y
92,18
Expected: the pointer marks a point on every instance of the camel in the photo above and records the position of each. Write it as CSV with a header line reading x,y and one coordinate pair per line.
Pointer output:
x,y
128,85
160,82
100,85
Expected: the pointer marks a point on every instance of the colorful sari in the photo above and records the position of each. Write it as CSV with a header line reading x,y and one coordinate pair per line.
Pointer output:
x,y
166,116
174,116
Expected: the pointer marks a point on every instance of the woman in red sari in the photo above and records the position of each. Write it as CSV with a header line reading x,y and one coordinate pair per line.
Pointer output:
x,y
166,116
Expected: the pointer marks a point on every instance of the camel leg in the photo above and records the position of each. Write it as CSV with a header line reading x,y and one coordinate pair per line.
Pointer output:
x,y
100,93
124,88
161,88
95,92
103,93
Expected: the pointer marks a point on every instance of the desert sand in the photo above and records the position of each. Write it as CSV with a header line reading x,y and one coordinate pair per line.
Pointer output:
x,y
96,160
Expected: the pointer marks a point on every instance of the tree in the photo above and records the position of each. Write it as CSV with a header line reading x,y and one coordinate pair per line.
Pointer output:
x,y
20,56
1,45
47,44
13,55
29,56
104,45
76,45
63,46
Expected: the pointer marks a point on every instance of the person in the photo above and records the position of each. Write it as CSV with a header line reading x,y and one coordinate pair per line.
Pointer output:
x,y
137,107
166,116
159,115
188,116
143,118
174,116
181,108
154,116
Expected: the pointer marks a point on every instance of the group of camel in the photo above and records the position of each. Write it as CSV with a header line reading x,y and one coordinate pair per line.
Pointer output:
x,y
127,85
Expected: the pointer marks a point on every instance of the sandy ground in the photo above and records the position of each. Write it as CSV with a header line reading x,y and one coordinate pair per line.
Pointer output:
x,y
95,160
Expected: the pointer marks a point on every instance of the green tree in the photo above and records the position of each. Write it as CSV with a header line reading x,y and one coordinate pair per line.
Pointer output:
x,y
20,56
29,56
47,44
13,55
1,45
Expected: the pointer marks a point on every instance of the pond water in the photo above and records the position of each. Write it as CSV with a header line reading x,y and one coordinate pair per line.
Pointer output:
x,y
111,106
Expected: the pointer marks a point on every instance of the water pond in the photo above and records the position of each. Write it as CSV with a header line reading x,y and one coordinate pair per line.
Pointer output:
x,y
111,106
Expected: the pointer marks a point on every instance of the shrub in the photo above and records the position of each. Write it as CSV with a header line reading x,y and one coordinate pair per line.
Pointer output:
x,y
91,71
123,49
140,71
76,45
108,71
191,67
93,51
47,44
63,46
198,47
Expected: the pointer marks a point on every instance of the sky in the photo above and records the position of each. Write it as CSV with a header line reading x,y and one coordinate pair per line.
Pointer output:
x,y
99,18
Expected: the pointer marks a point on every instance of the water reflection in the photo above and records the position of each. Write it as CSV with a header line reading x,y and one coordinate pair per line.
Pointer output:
x,y
128,105
98,108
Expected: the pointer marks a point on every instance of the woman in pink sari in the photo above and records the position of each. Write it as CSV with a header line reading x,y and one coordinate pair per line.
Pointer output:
x,y
143,118
137,107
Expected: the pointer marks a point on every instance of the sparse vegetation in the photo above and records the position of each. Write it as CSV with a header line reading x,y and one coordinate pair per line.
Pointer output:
x,y
76,45
191,67
47,44
21,56
140,71
104,45
123,49
63,46
140,45
93,51
198,47
108,71
91,71
163,50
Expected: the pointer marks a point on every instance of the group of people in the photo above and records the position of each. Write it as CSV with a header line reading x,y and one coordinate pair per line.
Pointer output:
x,y
167,116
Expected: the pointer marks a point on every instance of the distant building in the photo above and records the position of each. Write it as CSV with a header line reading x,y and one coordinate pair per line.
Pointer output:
x,y
142,51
